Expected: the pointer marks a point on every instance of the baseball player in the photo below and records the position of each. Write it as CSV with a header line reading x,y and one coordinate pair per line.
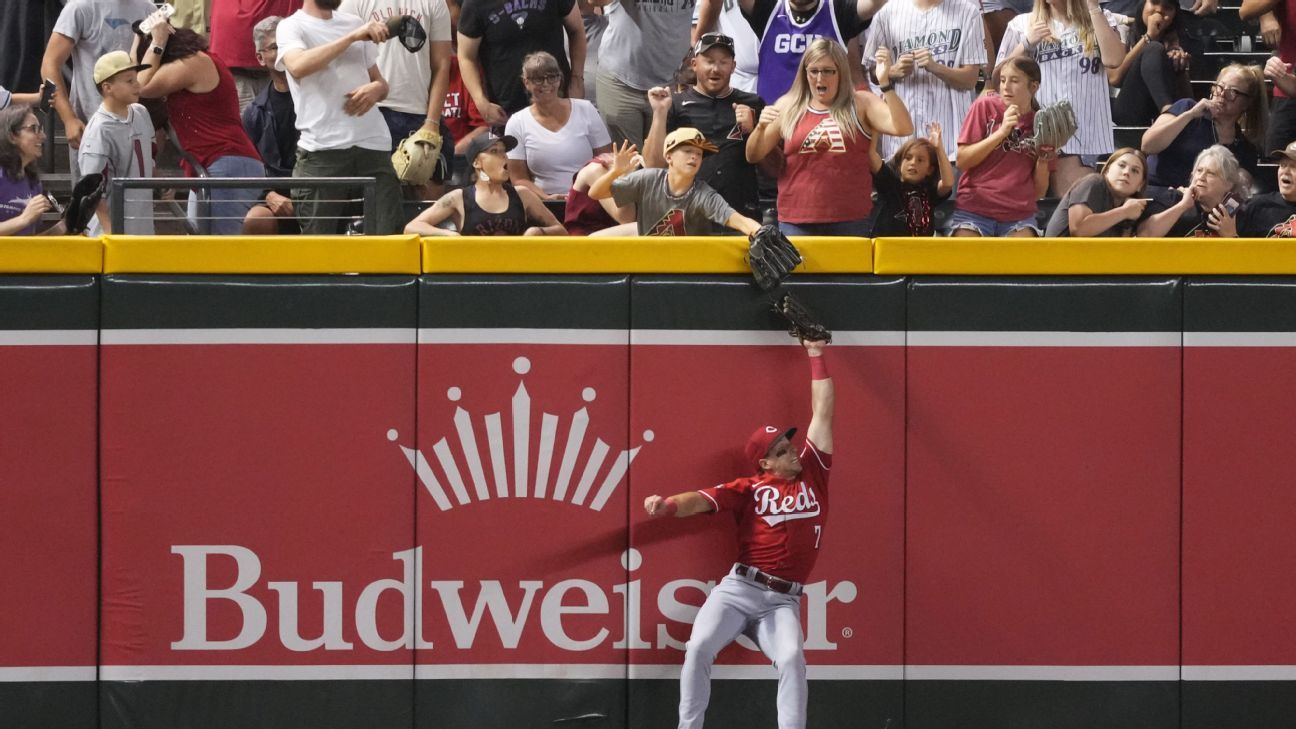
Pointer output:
x,y
781,512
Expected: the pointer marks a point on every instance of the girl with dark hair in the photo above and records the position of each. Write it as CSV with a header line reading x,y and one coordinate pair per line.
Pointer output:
x,y
22,197
911,185
1104,204
202,103
1155,70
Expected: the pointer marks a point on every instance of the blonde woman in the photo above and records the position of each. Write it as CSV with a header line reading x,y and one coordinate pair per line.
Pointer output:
x,y
1075,43
826,128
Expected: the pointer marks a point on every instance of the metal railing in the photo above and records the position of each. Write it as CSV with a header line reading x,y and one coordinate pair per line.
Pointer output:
x,y
117,201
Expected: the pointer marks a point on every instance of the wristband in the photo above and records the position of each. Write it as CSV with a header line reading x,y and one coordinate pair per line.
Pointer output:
x,y
819,368
670,507
884,89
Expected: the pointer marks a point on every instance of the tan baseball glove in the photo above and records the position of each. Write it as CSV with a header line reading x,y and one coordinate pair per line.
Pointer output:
x,y
417,157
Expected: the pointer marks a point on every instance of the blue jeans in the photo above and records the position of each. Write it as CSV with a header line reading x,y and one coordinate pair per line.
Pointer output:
x,y
989,227
860,228
229,206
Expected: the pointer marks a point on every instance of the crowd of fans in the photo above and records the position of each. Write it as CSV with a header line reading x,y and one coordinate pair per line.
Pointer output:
x,y
703,116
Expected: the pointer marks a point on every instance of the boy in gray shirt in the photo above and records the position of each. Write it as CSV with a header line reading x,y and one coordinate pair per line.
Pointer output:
x,y
670,201
118,142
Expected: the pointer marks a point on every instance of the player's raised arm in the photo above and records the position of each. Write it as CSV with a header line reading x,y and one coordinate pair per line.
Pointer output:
x,y
822,397
685,504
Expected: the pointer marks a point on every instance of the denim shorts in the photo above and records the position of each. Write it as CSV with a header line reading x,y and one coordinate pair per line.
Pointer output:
x,y
989,227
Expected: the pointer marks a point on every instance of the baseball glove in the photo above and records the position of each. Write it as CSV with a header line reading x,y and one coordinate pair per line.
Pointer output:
x,y
86,195
1055,124
802,324
771,257
417,157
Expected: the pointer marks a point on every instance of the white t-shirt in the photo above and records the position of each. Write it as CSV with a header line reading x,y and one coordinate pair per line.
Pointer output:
x,y
645,41
408,74
1071,74
120,147
96,27
555,157
319,97
953,32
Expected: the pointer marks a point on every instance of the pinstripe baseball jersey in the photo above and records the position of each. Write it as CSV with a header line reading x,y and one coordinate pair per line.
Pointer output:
x,y
1069,73
953,32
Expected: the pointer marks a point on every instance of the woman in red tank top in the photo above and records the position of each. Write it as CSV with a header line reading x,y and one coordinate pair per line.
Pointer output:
x,y
202,104
825,128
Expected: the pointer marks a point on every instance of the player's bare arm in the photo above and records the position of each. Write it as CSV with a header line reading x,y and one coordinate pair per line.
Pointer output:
x,y
680,505
822,398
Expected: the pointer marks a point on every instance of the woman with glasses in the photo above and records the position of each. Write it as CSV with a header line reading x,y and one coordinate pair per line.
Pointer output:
x,y
1233,116
825,129
22,197
556,136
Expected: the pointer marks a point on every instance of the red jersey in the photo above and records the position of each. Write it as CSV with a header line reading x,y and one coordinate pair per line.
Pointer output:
x,y
1287,46
780,522
826,178
459,112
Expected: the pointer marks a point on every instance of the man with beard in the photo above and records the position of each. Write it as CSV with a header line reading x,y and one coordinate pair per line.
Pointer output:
x,y
331,59
786,27
723,114
1273,214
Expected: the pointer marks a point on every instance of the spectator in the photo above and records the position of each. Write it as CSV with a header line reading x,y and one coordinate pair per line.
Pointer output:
x,y
641,48
459,112
418,81
595,25
1282,124
730,22
826,128
86,30
939,51
118,142
232,23
1233,115
1072,41
22,198
1273,214
331,61
202,105
672,201
496,35
995,15
271,123
555,136
24,33
1003,174
1206,208
491,205
586,216
31,100
911,185
1105,204
1155,70
724,115
786,28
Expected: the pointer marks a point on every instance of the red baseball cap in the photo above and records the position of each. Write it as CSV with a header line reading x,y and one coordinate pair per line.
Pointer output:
x,y
758,445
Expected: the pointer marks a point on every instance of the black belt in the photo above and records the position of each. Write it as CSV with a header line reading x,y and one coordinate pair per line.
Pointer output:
x,y
777,584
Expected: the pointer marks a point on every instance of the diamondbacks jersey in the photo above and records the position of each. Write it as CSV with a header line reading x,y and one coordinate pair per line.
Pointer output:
x,y
954,34
780,522
784,42
1071,74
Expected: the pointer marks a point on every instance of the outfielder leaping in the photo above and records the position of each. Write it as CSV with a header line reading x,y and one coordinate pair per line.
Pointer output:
x,y
781,513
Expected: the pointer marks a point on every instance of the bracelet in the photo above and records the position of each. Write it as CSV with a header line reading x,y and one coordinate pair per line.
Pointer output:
x,y
884,89
819,368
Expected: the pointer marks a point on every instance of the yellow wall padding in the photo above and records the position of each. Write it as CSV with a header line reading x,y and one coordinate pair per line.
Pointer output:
x,y
42,254
274,255
1098,256
704,254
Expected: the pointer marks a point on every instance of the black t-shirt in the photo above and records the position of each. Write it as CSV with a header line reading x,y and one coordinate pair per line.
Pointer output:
x,y
726,170
845,11
509,31
1267,216
285,129
1092,192
903,209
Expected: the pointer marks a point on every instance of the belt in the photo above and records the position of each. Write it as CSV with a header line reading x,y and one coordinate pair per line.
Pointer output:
x,y
777,584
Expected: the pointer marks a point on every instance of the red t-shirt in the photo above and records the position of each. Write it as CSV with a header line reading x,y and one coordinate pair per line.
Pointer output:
x,y
826,178
459,112
780,522
1287,46
231,27
1002,187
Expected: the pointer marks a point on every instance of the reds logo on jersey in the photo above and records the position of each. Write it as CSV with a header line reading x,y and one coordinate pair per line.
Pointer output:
x,y
776,507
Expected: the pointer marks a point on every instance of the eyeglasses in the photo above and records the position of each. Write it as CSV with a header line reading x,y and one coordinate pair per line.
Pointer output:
x,y
548,78
829,72
267,49
1228,92
33,128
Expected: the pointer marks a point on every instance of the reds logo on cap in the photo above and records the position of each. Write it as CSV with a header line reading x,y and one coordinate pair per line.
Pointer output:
x,y
758,445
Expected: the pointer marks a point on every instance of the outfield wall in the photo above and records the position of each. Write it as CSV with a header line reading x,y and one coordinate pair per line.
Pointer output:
x,y
379,483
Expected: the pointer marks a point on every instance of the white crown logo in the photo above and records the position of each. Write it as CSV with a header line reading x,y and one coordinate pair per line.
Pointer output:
x,y
526,484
